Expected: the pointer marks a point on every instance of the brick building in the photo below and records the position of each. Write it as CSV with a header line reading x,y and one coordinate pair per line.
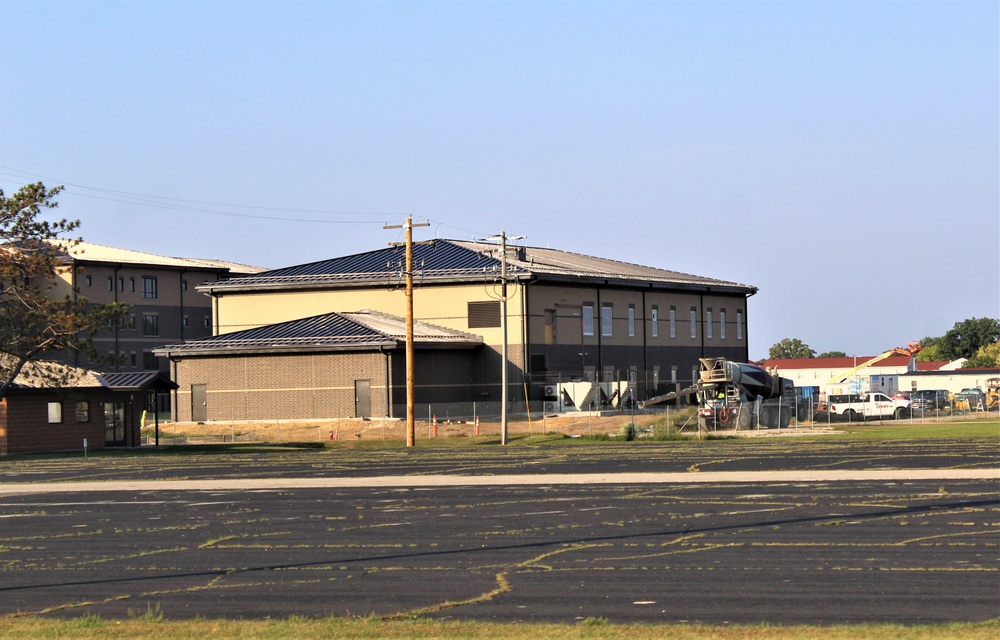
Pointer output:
x,y
571,318
161,291
89,410
328,366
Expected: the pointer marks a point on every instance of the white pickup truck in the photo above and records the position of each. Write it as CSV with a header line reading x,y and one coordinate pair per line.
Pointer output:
x,y
869,405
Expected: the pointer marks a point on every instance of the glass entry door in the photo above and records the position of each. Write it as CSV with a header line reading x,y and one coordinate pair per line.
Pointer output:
x,y
114,423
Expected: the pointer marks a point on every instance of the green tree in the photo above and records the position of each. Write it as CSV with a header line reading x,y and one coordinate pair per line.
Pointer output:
x,y
790,348
966,337
832,354
930,350
35,322
987,357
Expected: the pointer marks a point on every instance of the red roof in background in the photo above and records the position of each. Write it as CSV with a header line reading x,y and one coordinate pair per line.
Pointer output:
x,y
930,366
843,363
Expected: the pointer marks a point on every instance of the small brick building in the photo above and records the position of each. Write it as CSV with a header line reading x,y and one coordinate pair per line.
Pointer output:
x,y
90,411
335,365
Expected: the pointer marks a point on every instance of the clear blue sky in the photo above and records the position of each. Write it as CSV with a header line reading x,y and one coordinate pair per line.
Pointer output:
x,y
843,157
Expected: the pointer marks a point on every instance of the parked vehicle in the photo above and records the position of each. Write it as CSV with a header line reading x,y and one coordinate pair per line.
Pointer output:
x,y
870,405
930,400
970,399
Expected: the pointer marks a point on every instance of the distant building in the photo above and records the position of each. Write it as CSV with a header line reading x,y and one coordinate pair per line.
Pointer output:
x,y
627,330
166,307
839,375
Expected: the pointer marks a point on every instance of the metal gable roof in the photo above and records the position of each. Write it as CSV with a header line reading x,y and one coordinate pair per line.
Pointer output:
x,y
461,261
328,332
137,381
88,252
556,263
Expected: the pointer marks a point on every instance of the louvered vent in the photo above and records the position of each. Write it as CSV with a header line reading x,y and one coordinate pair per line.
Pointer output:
x,y
484,314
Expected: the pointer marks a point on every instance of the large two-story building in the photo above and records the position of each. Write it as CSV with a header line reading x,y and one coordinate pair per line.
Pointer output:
x,y
571,318
166,307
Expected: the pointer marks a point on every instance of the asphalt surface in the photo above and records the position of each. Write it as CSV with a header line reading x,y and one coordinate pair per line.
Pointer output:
x,y
746,546
739,455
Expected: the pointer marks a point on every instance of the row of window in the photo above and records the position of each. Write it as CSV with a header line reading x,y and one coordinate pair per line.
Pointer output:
x,y
131,359
487,314
607,321
150,285
151,323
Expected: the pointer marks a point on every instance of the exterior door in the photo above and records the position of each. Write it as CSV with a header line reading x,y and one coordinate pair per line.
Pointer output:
x,y
199,402
362,399
114,424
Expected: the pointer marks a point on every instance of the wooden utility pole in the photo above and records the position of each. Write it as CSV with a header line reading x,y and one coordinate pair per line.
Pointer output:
x,y
410,421
503,330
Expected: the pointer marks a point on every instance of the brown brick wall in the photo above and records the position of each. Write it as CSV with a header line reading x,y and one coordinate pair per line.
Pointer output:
x,y
25,427
281,387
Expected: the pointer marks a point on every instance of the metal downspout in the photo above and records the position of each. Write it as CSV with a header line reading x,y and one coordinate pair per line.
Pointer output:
x,y
388,388
180,289
73,287
114,286
599,324
701,321
645,346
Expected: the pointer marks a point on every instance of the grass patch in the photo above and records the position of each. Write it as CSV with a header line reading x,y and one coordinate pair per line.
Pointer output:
x,y
365,628
906,430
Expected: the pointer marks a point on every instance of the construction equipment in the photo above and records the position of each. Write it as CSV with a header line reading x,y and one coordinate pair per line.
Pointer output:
x,y
912,348
992,393
737,394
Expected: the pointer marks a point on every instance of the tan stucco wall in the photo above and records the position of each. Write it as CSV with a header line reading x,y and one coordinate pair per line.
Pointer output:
x,y
442,306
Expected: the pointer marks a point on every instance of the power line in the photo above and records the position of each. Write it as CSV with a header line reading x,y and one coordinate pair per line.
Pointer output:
x,y
170,203
195,206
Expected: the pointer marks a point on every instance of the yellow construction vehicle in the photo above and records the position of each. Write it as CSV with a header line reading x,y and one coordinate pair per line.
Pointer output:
x,y
912,348
992,393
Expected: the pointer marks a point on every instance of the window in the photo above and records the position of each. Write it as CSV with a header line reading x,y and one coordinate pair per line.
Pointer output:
x,y
631,321
131,284
587,317
132,360
184,285
654,319
694,322
89,280
673,374
83,411
131,322
111,283
673,322
708,323
121,283
55,413
149,287
606,317
184,322
739,324
484,314
150,324
722,324
208,322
